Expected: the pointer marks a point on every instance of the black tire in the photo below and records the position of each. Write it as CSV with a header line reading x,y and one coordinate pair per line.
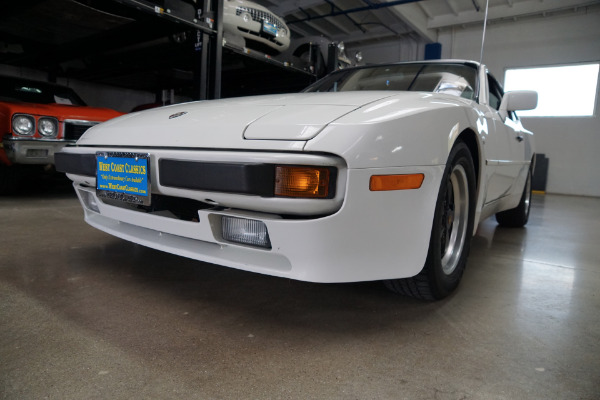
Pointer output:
x,y
518,216
451,232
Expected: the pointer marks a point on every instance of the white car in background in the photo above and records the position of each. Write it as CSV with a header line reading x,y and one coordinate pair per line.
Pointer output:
x,y
373,173
247,24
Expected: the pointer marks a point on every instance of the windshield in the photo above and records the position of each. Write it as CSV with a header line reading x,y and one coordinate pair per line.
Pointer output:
x,y
455,79
17,89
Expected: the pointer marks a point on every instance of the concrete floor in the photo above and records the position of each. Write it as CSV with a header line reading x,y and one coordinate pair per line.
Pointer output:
x,y
84,315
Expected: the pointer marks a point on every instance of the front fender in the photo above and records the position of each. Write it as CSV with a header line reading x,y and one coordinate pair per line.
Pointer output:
x,y
423,138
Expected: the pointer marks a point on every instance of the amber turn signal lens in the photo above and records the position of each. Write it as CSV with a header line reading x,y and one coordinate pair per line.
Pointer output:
x,y
395,182
302,182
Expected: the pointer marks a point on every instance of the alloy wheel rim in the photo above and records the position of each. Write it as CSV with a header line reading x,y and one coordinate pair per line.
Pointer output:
x,y
528,193
455,216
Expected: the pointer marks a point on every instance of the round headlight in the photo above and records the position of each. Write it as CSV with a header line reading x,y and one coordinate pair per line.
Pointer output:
x,y
48,127
341,46
358,56
23,125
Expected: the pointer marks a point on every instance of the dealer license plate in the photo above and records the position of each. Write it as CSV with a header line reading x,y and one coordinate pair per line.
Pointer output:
x,y
123,176
269,28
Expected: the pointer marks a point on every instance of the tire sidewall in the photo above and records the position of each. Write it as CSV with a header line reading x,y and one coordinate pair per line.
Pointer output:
x,y
526,193
441,283
518,216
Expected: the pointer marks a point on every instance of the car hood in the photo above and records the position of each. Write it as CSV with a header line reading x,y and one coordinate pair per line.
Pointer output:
x,y
240,122
60,111
229,122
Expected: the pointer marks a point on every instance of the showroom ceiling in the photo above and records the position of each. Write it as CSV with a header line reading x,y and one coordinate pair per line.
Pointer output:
x,y
363,21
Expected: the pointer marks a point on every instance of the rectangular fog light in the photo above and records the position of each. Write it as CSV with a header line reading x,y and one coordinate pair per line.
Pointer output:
x,y
89,201
245,231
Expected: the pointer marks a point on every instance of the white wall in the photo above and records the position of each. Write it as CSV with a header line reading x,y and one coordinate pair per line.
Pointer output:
x,y
571,144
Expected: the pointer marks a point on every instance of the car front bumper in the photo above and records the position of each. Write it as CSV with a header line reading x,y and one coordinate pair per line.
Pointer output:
x,y
32,151
373,235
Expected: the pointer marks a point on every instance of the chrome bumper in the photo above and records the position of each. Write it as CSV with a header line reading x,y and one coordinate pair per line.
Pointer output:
x,y
32,151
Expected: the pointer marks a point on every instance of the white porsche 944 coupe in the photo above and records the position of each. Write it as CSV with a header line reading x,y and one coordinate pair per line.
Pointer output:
x,y
372,173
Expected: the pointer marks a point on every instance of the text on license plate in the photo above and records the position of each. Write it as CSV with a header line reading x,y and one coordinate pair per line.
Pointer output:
x,y
123,176
269,28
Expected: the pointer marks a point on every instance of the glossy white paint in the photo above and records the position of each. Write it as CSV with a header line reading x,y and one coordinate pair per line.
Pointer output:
x,y
295,122
357,243
213,124
518,100
359,235
408,128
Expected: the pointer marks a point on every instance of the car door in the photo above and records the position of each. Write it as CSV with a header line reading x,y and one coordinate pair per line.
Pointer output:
x,y
502,147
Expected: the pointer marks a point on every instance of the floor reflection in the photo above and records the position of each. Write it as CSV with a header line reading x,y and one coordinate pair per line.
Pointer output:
x,y
524,322
545,269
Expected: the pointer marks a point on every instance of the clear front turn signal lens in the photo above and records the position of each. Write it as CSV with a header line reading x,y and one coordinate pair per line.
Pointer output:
x,y
23,124
395,182
48,127
302,181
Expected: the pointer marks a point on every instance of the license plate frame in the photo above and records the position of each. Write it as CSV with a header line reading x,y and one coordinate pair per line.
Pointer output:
x,y
270,28
123,176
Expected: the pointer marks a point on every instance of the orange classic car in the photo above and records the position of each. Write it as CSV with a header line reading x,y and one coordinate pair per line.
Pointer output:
x,y
38,119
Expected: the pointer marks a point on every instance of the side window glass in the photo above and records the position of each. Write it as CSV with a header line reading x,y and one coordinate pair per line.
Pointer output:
x,y
495,93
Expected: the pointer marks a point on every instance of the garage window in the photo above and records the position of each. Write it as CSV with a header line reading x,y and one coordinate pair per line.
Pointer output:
x,y
564,91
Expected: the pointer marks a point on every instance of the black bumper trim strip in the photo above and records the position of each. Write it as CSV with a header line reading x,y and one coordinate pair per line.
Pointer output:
x,y
240,178
78,164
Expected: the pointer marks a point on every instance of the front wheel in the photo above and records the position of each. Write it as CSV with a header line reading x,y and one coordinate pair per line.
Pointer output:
x,y
451,232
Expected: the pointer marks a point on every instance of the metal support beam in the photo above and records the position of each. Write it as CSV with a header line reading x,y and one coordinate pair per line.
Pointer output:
x,y
209,54
201,45
217,50
177,14
356,24
332,57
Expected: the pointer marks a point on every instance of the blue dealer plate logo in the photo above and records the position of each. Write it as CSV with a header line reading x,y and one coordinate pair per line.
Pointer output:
x,y
270,28
123,176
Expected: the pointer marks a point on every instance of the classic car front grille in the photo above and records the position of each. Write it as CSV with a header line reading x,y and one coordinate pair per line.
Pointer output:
x,y
74,129
260,16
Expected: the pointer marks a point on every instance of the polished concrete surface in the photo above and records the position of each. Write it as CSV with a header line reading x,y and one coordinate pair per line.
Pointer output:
x,y
84,315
